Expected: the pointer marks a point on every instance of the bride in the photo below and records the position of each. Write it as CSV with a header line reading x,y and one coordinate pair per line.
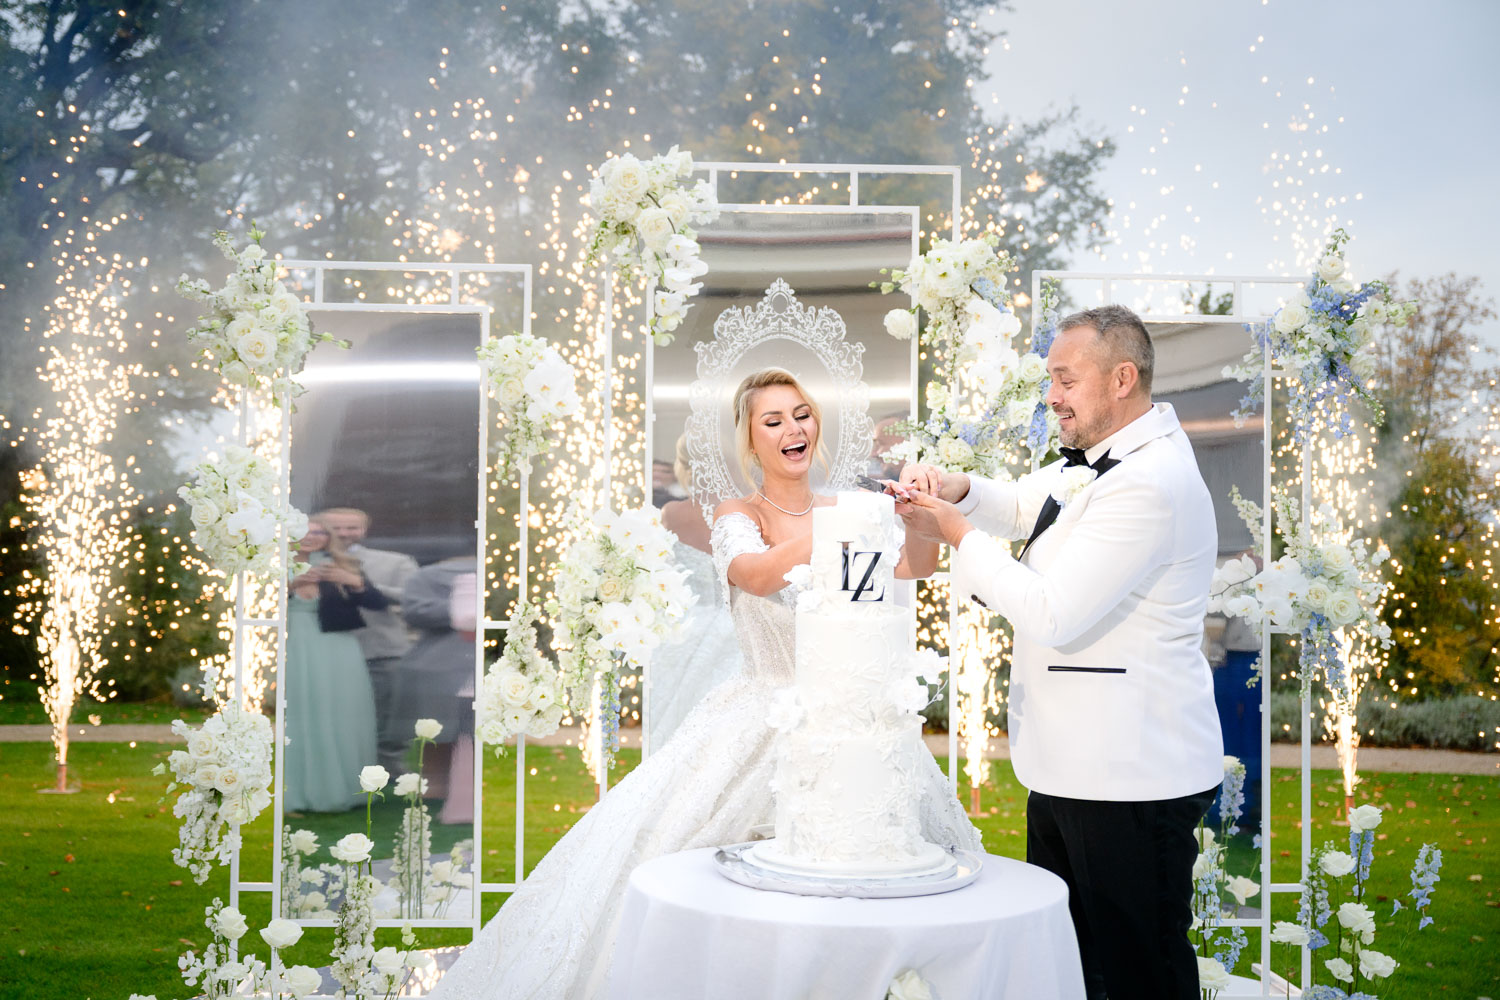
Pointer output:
x,y
554,938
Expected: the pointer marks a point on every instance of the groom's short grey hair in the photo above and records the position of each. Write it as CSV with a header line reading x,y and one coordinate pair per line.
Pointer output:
x,y
1122,336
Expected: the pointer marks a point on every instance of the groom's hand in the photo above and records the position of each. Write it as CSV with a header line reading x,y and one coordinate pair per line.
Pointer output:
x,y
949,486
934,519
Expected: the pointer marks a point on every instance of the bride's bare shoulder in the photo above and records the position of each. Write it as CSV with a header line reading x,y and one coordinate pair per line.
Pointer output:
x,y
737,507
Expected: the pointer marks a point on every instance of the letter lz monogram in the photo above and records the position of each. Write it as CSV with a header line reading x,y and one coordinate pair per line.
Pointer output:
x,y
852,562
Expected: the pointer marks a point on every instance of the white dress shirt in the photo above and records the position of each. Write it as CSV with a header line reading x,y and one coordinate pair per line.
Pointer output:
x,y
1111,697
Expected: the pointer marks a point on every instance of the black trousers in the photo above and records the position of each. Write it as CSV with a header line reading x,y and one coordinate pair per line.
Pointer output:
x,y
1129,869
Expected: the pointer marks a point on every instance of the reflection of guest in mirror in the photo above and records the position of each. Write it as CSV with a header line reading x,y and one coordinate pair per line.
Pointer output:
x,y
330,713
436,677
384,638
884,441
664,488
684,518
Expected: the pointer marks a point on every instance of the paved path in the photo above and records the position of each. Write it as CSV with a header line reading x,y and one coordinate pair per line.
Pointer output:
x,y
1371,759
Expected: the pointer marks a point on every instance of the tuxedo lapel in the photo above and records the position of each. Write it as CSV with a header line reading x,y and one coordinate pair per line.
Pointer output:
x,y
1051,508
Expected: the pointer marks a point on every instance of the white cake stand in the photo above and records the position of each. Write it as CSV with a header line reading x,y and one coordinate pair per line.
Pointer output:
x,y
739,863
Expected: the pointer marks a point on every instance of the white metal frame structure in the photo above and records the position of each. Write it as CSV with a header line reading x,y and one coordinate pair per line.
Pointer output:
x,y
717,171
1238,317
453,306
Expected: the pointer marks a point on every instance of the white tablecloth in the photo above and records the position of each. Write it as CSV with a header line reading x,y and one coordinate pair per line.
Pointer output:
x,y
688,933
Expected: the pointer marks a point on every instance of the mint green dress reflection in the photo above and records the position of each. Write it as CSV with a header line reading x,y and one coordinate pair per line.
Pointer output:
x,y
330,714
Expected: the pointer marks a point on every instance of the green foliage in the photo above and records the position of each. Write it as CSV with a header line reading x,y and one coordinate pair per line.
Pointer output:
x,y
1439,383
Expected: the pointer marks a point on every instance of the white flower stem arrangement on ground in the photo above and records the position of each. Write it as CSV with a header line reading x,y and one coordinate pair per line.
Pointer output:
x,y
646,218
973,423
1339,919
1323,336
237,510
534,389
254,331
225,774
419,892
1327,580
618,593
1218,946
522,692
297,898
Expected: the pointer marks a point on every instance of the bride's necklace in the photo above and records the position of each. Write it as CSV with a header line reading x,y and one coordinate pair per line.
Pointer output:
x,y
794,513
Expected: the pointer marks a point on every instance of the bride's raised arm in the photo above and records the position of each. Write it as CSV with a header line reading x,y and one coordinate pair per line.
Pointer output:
x,y
763,573
919,557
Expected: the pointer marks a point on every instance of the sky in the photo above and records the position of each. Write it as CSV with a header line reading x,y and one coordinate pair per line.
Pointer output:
x,y
1244,127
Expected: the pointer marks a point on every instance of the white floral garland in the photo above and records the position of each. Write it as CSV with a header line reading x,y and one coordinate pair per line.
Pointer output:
x,y
226,771
646,219
534,388
1325,581
618,593
1324,335
237,511
255,332
522,692
961,286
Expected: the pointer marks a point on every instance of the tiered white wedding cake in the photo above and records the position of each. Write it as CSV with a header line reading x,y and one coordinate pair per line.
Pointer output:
x,y
847,778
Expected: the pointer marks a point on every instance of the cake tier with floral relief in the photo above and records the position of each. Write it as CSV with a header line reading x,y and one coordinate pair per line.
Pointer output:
x,y
847,778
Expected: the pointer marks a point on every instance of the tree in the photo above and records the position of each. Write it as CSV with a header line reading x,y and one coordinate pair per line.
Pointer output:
x,y
1438,381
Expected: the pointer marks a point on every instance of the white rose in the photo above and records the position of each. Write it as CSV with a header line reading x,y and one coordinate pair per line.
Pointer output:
x,y
1018,412
230,923
676,207
1343,607
235,811
1366,817
303,841
1337,559
1340,969
1033,367
428,729
514,687
954,453
655,228
509,392
1331,267
1287,932
1292,317
909,986
1317,595
256,347
901,324
202,745
626,179
1204,836
1202,864
409,784
228,781
281,933
1357,918
1211,975
352,849
236,373
1337,864
206,775
373,777
541,725
1372,964
302,980
205,513
387,961
1242,888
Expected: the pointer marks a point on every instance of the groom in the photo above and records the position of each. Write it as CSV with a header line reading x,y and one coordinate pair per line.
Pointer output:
x,y
1112,721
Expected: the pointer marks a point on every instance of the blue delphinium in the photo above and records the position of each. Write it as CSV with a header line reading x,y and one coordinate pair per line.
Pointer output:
x,y
1362,848
1232,800
1424,875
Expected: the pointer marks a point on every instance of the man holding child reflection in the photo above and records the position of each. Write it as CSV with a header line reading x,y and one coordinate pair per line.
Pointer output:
x,y
385,638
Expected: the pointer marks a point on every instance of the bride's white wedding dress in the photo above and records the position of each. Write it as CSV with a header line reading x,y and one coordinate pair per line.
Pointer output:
x,y
553,939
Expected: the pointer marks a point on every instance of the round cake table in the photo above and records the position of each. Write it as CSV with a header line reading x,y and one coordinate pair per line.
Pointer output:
x,y
688,933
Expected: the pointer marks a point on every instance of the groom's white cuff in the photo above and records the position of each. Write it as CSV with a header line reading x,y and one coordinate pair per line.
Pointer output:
x,y
979,564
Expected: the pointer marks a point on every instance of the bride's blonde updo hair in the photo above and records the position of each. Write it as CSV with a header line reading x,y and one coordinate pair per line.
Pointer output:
x,y
744,398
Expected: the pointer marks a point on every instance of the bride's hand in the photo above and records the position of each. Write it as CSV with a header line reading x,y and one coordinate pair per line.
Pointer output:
x,y
949,486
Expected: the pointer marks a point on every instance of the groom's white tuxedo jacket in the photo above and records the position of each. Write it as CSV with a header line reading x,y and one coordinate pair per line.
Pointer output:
x,y
1111,697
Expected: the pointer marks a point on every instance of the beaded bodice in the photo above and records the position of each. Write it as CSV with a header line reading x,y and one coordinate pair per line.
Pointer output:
x,y
766,626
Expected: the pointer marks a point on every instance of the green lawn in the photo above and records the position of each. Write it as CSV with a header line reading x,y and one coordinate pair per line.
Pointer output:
x,y
99,910
28,711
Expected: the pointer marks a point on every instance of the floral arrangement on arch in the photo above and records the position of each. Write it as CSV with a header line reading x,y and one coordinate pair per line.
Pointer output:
x,y
236,510
617,594
1000,403
1323,335
225,774
534,388
646,219
1325,581
522,692
1329,915
1219,946
255,332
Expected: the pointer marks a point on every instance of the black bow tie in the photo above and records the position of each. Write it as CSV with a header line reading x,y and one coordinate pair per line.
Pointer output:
x,y
1050,509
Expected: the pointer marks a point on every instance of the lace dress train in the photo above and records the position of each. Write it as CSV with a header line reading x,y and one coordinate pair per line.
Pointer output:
x,y
554,938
